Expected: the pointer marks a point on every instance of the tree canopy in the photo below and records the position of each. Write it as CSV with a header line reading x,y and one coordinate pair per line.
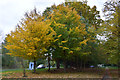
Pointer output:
x,y
112,29
67,33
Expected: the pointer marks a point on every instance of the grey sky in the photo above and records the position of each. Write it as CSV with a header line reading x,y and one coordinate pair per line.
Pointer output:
x,y
12,11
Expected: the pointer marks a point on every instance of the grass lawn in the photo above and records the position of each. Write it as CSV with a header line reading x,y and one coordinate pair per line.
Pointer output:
x,y
43,73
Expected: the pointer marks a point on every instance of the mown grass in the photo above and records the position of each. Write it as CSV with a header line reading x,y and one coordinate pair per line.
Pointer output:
x,y
44,73
109,67
11,70
7,72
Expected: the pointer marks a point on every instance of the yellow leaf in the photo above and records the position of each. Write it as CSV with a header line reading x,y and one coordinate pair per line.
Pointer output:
x,y
56,40
29,54
65,48
71,52
84,42
64,41
60,35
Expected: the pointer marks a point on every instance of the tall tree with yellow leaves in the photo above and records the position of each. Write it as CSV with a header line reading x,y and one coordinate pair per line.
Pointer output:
x,y
30,39
67,22
71,31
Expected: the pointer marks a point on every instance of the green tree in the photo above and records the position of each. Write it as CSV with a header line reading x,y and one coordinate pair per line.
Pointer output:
x,y
91,15
112,30
7,60
73,34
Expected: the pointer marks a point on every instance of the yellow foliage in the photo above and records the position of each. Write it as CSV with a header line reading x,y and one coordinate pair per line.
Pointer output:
x,y
71,52
56,40
59,35
65,48
29,38
84,42
64,41
29,54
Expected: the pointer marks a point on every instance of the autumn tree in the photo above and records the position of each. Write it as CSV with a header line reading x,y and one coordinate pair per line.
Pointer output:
x,y
112,30
31,38
72,33
91,15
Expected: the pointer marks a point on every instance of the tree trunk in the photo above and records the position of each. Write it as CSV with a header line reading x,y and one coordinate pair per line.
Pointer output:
x,y
34,66
65,62
48,63
81,64
119,69
58,64
24,73
84,65
65,66
77,63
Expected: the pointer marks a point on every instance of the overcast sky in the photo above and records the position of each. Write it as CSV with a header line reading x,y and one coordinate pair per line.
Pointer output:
x,y
12,11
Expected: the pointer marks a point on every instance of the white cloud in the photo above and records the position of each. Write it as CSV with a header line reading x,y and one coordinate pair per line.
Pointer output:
x,y
99,4
12,11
